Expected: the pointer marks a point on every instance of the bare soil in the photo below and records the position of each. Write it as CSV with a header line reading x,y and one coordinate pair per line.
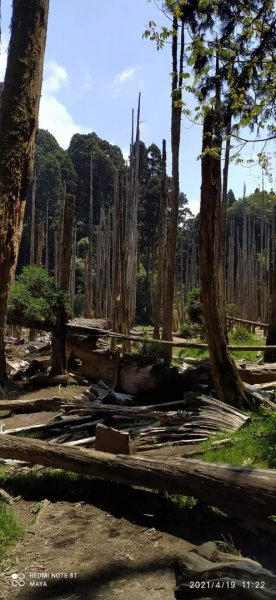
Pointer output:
x,y
105,541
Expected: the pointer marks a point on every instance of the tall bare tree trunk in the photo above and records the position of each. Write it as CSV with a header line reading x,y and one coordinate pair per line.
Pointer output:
x,y
18,126
226,380
270,355
88,307
175,143
47,236
59,359
39,244
32,249
222,245
158,301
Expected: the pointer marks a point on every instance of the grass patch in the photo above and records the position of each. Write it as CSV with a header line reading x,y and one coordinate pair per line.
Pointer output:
x,y
191,352
10,528
248,355
254,444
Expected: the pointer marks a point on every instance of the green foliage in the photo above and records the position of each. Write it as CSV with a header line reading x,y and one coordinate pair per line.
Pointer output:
x,y
151,349
232,310
241,335
186,330
194,306
34,295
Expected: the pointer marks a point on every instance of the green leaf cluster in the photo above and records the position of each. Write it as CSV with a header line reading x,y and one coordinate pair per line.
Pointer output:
x,y
34,295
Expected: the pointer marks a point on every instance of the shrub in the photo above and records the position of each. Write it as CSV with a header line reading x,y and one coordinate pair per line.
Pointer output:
x,y
241,334
186,330
194,307
34,295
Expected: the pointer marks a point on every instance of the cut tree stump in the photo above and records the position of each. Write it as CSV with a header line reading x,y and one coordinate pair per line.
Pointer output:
x,y
246,494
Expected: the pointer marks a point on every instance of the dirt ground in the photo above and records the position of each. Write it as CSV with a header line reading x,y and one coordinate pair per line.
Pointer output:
x,y
106,541
78,551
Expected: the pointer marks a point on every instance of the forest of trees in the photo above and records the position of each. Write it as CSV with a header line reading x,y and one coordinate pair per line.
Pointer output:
x,y
131,250
249,226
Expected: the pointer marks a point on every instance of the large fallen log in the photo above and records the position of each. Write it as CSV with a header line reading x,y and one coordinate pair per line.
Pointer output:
x,y
244,493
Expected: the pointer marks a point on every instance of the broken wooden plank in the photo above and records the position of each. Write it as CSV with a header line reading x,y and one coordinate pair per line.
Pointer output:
x,y
113,441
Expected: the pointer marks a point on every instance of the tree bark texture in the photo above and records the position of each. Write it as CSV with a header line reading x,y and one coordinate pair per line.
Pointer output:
x,y
270,355
175,144
59,355
241,492
227,382
18,126
162,247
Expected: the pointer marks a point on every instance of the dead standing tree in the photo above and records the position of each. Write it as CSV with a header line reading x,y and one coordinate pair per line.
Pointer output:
x,y
18,126
88,283
59,358
270,355
125,240
177,70
162,249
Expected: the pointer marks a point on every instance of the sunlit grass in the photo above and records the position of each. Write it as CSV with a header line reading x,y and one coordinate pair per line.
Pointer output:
x,y
10,528
253,445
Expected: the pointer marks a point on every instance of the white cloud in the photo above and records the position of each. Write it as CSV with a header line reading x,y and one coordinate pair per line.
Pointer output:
x,y
55,76
121,79
194,206
53,114
55,117
125,152
126,74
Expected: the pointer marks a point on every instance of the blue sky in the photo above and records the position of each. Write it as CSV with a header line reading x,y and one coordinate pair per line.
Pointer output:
x,y
96,63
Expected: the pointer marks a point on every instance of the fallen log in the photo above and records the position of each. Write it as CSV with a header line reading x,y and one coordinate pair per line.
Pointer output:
x,y
244,493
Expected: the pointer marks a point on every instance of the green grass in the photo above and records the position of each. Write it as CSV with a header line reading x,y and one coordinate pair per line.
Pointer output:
x,y
247,355
254,444
254,340
10,528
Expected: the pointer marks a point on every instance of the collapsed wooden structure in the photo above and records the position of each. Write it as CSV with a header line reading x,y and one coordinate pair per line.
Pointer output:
x,y
188,421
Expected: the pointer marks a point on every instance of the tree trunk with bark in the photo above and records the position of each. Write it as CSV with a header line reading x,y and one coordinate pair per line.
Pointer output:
x,y
32,248
18,127
59,358
88,283
177,69
226,380
161,254
270,355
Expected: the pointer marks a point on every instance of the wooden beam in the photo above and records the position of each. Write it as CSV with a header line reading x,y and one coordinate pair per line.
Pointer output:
x,y
257,323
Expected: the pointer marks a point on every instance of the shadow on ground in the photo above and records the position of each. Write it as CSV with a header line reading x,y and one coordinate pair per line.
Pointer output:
x,y
195,524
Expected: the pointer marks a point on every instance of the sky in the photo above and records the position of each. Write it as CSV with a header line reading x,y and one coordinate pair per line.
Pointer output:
x,y
96,63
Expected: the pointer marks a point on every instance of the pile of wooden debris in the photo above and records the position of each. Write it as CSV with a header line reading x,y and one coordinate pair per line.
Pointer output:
x,y
103,419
